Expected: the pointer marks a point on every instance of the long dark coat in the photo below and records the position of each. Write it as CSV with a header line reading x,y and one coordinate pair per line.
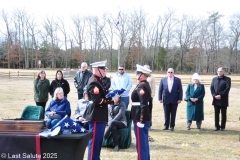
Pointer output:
x,y
220,86
195,110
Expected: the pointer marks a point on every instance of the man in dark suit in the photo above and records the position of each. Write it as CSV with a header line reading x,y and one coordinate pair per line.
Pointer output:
x,y
220,88
170,94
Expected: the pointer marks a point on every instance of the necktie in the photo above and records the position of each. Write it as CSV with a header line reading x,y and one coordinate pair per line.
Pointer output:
x,y
170,85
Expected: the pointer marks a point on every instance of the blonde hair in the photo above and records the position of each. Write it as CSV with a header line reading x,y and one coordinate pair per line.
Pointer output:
x,y
56,92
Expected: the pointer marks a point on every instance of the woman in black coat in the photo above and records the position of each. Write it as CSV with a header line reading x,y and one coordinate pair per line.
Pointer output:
x,y
59,82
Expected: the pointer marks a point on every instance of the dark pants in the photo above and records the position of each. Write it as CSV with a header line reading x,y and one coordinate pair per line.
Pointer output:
x,y
43,104
170,111
142,145
150,109
80,95
198,123
112,128
95,143
223,110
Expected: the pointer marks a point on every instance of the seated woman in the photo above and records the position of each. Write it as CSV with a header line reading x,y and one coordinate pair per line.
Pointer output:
x,y
58,108
116,120
80,109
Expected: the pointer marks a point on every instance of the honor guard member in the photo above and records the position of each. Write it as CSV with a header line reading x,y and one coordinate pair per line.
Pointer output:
x,y
140,113
97,111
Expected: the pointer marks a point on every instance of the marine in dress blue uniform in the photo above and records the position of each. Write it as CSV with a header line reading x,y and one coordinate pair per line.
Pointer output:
x,y
140,113
97,111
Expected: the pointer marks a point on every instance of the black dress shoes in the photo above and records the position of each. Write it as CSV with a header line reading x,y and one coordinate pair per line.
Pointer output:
x,y
216,129
165,128
172,129
222,129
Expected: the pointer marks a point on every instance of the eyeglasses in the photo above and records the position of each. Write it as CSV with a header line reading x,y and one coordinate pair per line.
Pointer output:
x,y
169,72
121,69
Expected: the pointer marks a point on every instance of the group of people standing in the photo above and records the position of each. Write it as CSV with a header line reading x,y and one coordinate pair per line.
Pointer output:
x,y
94,111
170,94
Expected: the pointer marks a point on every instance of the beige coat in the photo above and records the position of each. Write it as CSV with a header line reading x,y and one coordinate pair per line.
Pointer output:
x,y
152,84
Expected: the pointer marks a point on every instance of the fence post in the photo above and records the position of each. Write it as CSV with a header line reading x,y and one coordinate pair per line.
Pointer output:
x,y
9,75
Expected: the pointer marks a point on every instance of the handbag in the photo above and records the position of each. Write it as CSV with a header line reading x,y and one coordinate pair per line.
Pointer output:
x,y
54,116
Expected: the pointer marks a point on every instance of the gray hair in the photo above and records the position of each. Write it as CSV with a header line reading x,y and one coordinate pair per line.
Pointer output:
x,y
56,92
84,64
171,69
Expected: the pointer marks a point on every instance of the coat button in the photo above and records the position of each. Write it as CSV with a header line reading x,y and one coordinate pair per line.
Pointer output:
x,y
100,106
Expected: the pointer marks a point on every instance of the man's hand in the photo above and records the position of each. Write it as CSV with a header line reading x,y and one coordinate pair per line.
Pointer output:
x,y
81,119
179,101
160,101
218,97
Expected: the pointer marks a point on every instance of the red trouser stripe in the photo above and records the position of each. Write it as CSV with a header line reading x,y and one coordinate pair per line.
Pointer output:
x,y
138,142
93,139
38,148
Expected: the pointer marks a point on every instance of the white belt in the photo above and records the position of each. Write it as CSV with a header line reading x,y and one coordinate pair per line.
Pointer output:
x,y
136,103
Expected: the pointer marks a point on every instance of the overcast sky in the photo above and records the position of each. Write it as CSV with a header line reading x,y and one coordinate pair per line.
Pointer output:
x,y
67,8
153,8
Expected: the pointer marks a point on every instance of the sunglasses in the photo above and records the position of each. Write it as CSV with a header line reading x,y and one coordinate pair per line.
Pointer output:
x,y
169,72
121,69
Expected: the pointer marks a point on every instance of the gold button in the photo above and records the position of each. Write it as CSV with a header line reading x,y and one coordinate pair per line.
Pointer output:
x,y
100,106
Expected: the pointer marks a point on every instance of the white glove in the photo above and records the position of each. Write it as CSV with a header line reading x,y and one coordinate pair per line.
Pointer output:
x,y
140,125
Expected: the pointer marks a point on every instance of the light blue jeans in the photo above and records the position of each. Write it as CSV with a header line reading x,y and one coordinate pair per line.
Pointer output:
x,y
126,101
52,122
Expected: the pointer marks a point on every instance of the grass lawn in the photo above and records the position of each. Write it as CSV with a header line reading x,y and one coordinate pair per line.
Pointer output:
x,y
180,144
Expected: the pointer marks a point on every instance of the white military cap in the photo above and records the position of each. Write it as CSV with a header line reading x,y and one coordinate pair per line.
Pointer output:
x,y
196,76
143,69
101,64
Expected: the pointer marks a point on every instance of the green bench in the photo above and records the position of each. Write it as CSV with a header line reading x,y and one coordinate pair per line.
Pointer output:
x,y
124,135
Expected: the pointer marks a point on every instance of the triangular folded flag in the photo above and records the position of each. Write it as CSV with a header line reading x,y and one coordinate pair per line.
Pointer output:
x,y
114,93
69,125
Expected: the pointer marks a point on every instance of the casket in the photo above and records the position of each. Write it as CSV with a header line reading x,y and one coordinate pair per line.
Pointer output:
x,y
19,125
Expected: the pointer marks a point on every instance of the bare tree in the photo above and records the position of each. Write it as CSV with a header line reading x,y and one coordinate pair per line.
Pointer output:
x,y
9,38
185,34
235,35
79,33
61,26
108,34
51,28
122,32
162,23
213,19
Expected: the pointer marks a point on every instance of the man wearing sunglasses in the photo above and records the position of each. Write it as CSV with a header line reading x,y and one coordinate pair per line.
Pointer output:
x,y
122,80
170,94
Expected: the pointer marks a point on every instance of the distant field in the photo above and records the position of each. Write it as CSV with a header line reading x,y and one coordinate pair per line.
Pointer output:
x,y
180,144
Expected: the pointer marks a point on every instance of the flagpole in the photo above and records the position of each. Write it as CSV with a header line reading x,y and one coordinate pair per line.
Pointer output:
x,y
118,55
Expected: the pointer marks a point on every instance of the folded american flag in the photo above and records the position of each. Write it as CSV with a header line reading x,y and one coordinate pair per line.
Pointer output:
x,y
67,124
114,93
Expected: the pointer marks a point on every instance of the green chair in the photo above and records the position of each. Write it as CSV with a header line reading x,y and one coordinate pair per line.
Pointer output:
x,y
124,135
32,113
